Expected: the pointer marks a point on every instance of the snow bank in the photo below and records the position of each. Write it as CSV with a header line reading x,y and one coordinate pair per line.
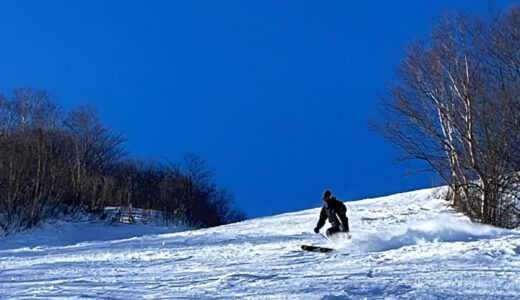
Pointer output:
x,y
71,233
80,228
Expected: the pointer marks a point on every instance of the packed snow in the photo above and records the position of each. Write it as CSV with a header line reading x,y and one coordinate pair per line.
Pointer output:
x,y
404,246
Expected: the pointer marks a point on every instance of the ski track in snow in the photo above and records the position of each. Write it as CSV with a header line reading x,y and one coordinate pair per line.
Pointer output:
x,y
404,246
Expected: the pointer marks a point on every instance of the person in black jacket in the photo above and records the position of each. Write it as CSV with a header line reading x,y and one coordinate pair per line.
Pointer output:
x,y
336,212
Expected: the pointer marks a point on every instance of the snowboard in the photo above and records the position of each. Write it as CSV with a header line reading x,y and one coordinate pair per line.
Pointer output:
x,y
316,249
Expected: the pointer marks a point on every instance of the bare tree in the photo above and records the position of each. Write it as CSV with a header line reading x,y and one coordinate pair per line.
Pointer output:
x,y
455,107
95,147
54,163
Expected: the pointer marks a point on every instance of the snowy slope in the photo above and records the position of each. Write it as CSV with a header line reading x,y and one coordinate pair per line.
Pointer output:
x,y
407,245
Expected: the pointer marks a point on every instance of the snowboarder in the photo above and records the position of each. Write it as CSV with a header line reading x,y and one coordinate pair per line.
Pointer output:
x,y
336,212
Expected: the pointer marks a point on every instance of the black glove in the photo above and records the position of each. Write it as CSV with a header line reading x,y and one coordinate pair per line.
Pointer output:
x,y
316,230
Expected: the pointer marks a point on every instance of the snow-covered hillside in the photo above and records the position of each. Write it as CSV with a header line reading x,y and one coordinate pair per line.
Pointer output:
x,y
407,245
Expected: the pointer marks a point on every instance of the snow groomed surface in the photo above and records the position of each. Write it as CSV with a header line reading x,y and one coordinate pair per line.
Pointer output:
x,y
405,246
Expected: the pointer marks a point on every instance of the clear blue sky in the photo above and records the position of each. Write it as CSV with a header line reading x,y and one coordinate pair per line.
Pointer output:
x,y
274,95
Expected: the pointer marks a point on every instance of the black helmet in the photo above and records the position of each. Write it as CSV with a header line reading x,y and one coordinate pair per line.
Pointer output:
x,y
326,194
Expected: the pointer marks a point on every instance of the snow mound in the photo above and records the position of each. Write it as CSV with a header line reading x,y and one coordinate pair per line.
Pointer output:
x,y
81,228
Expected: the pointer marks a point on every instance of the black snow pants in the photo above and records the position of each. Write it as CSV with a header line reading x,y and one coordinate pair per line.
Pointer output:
x,y
335,229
